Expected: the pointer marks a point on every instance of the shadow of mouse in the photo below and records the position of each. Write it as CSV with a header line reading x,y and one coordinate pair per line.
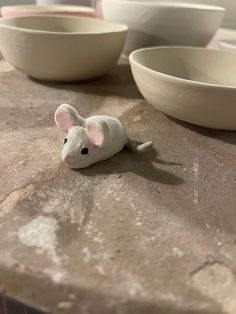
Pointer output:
x,y
142,164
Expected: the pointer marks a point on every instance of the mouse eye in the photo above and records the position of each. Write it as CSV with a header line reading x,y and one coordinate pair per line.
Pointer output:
x,y
84,151
65,140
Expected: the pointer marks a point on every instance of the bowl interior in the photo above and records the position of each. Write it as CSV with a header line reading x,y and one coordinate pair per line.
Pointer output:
x,y
62,24
213,67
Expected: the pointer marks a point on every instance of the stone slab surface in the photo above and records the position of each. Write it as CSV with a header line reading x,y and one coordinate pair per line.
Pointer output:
x,y
150,233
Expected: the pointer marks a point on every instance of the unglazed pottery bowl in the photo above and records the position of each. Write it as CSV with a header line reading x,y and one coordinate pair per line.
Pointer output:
x,y
60,48
195,85
153,23
229,20
32,10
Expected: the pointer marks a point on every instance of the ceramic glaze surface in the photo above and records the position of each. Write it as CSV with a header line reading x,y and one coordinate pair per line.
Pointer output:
x,y
191,84
151,23
31,10
61,48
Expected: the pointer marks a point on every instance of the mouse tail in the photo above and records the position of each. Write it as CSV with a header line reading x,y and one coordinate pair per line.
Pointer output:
x,y
137,147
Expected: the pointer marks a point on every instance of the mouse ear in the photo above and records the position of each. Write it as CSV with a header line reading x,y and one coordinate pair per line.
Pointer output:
x,y
66,116
94,132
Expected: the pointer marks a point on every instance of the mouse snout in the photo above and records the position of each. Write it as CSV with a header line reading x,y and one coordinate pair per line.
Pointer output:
x,y
68,159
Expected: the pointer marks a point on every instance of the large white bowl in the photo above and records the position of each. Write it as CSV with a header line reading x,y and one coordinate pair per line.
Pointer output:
x,y
229,20
61,48
153,23
195,85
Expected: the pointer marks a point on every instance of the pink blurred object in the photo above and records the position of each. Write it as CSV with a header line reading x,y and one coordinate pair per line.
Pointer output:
x,y
32,10
97,4
74,2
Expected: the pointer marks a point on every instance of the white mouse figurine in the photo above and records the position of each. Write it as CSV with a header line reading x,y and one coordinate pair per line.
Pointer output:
x,y
93,139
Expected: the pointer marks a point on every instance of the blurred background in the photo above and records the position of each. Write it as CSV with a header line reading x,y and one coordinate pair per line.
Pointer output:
x,y
42,2
230,5
10,2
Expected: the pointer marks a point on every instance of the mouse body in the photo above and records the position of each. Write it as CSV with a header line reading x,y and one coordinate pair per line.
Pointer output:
x,y
91,140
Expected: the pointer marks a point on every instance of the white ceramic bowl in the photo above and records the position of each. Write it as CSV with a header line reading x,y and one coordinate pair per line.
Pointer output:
x,y
153,23
32,10
61,48
195,85
229,20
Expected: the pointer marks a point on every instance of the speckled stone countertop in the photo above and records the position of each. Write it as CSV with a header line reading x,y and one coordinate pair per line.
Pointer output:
x,y
150,233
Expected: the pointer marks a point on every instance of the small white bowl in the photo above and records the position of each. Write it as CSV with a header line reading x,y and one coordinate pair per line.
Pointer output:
x,y
195,85
61,48
153,23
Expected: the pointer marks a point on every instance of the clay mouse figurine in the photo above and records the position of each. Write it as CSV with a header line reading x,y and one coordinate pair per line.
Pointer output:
x,y
93,139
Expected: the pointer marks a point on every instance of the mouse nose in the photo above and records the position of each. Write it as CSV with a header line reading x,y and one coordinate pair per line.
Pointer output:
x,y
68,159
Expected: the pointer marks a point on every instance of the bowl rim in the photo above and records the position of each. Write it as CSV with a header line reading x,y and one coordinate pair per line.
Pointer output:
x,y
121,28
172,5
179,79
48,8
230,44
